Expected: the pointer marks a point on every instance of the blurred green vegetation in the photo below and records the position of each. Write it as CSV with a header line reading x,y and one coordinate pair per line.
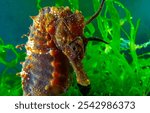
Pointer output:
x,y
10,84
114,69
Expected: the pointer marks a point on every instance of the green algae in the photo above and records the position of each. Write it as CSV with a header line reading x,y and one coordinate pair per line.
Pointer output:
x,y
10,84
38,4
110,71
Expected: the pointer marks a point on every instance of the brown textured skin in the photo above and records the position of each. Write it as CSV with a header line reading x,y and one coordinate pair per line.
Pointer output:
x,y
55,42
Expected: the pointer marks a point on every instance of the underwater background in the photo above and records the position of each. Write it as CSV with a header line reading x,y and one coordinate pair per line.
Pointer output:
x,y
120,68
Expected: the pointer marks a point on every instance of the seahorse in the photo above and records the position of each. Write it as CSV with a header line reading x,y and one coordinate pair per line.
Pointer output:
x,y
55,44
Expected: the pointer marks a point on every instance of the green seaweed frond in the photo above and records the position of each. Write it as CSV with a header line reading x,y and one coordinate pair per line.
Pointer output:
x,y
10,84
38,4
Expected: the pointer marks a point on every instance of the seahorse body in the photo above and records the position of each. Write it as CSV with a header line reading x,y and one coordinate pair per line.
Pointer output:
x,y
50,51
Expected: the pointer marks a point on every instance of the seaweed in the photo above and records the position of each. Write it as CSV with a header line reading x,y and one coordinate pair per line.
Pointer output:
x,y
115,69
38,4
10,84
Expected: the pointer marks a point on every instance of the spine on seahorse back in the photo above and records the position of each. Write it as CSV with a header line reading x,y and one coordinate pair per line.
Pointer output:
x,y
45,70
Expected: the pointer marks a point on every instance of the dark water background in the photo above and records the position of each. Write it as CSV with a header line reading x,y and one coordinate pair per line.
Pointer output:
x,y
14,17
15,21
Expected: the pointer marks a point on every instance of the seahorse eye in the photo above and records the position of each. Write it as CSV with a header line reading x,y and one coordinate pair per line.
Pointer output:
x,y
77,49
